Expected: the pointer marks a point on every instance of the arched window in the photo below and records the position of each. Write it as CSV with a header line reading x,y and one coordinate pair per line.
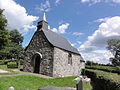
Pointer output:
x,y
70,58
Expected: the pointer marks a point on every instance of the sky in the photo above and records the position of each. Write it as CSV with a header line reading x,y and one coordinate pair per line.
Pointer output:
x,y
86,24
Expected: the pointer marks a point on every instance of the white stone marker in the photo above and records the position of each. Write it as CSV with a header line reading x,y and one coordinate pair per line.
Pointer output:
x,y
11,88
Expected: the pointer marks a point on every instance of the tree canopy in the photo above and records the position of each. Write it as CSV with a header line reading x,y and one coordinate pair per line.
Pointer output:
x,y
4,36
3,20
10,41
114,48
16,37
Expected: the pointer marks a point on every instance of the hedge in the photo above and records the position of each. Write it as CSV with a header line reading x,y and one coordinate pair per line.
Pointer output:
x,y
12,65
2,62
105,68
5,61
103,80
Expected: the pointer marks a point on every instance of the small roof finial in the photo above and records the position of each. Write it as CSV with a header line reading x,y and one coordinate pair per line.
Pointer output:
x,y
44,17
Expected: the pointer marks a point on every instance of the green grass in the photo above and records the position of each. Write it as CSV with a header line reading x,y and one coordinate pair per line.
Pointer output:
x,y
4,67
28,82
33,82
87,86
9,73
21,67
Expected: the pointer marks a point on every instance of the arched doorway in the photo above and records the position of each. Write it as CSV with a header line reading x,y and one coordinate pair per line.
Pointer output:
x,y
37,61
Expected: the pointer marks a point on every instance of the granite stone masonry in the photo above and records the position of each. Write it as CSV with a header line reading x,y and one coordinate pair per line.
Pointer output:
x,y
61,67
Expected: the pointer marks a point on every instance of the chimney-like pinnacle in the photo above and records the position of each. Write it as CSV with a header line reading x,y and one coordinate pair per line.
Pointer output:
x,y
44,17
43,23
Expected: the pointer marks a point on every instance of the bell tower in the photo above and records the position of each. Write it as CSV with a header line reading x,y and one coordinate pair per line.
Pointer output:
x,y
43,24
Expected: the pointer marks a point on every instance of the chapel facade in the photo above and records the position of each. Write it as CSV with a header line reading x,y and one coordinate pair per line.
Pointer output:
x,y
51,54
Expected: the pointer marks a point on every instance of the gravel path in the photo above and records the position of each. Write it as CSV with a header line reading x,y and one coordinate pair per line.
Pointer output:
x,y
25,73
3,71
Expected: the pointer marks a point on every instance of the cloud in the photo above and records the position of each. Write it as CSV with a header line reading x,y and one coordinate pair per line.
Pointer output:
x,y
102,19
57,2
28,27
98,1
44,7
116,1
94,48
77,33
17,16
98,56
79,42
83,1
109,28
61,29
73,44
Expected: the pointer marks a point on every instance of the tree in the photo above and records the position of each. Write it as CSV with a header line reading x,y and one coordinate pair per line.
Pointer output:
x,y
16,51
4,36
3,20
16,37
16,47
90,63
10,41
114,48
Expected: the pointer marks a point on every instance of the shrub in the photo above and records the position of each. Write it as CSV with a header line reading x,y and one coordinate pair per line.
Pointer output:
x,y
91,63
104,68
3,62
12,65
103,80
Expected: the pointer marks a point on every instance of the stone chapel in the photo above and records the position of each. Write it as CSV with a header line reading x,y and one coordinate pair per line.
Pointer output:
x,y
51,54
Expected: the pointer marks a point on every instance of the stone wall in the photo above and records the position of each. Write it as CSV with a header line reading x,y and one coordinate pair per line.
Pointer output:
x,y
61,68
39,44
82,65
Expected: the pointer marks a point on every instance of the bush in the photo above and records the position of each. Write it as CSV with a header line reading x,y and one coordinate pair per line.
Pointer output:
x,y
105,68
91,63
12,65
103,80
3,62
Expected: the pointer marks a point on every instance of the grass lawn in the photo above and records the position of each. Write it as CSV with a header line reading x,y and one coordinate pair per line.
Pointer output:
x,y
28,82
4,67
11,72
87,86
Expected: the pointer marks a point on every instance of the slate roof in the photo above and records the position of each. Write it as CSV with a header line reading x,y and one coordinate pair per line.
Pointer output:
x,y
59,41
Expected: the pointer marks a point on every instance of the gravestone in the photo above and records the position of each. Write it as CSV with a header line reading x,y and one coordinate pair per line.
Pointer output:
x,y
55,88
79,85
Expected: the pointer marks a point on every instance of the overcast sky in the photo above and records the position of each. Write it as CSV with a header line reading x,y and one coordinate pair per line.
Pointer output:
x,y
87,24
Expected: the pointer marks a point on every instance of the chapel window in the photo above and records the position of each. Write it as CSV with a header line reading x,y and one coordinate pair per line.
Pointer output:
x,y
70,58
